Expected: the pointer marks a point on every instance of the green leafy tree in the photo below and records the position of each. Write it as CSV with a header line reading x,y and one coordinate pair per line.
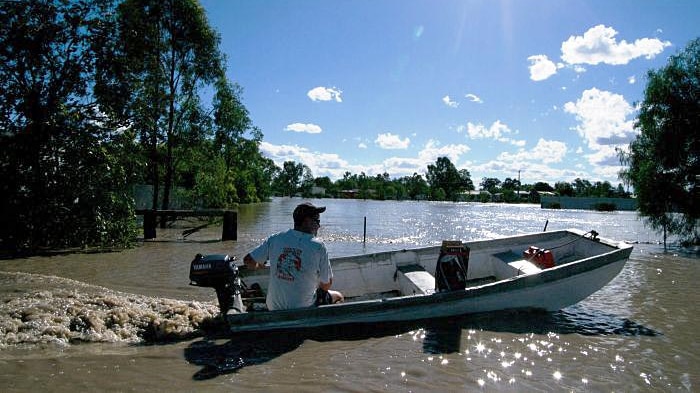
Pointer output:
x,y
238,140
438,194
65,182
326,183
288,180
165,52
307,182
510,184
443,175
416,187
466,180
348,182
542,186
664,160
490,184
602,189
564,188
399,189
582,187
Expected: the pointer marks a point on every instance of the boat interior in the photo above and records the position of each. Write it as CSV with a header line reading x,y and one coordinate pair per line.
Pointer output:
x,y
421,271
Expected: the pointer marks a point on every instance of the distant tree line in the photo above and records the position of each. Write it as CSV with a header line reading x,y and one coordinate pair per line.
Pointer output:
x,y
442,182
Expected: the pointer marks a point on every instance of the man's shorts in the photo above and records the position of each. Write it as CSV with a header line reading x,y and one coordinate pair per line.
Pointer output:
x,y
323,297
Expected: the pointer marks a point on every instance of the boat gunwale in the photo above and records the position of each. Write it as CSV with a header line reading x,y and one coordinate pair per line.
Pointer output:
x,y
259,320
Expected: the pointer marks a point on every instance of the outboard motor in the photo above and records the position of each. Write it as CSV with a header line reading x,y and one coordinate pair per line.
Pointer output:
x,y
221,273
452,266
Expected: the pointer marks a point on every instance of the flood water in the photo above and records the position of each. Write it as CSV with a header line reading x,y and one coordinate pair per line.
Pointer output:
x,y
129,321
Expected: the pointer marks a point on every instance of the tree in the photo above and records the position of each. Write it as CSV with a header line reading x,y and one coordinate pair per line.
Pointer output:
x,y
582,187
64,177
542,186
307,181
466,180
564,188
289,179
664,160
443,175
602,189
166,52
490,184
238,140
416,187
510,184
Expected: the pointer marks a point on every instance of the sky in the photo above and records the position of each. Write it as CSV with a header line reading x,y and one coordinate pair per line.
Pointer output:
x,y
544,90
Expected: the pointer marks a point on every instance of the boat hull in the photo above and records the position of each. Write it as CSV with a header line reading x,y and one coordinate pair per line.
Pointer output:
x,y
549,289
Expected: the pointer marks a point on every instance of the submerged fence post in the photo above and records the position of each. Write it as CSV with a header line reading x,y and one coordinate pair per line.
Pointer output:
x,y
364,234
229,231
149,225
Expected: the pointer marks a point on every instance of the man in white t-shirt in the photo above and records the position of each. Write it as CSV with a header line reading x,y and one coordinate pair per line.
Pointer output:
x,y
300,271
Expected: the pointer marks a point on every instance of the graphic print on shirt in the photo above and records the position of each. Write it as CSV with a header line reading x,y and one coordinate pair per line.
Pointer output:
x,y
288,263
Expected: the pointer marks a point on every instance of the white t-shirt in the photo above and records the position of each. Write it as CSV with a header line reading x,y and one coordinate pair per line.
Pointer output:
x,y
298,262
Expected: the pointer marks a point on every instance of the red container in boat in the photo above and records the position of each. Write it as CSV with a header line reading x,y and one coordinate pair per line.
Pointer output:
x,y
540,257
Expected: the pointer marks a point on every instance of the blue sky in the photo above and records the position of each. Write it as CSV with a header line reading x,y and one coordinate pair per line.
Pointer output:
x,y
545,87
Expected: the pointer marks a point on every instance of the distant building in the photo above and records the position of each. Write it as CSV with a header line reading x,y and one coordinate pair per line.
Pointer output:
x,y
318,191
584,203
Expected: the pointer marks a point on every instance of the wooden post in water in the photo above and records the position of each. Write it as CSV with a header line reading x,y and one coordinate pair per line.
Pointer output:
x,y
149,225
364,235
229,232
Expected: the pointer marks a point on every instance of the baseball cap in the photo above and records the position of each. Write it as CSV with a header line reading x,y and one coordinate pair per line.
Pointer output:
x,y
307,209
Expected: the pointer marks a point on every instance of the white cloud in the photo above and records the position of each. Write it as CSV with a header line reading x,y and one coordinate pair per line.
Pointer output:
x,y
432,151
598,45
603,118
474,98
362,145
632,80
449,102
541,67
407,166
391,141
301,127
321,93
531,172
479,131
547,152
333,166
321,164
496,131
604,124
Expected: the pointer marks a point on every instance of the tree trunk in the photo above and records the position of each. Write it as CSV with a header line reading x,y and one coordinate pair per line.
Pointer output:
x,y
155,175
168,183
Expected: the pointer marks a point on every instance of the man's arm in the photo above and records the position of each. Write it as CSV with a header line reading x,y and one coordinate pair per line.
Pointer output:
x,y
251,263
326,285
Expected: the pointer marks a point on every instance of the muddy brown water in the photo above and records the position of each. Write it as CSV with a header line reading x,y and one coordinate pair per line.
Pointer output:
x,y
129,321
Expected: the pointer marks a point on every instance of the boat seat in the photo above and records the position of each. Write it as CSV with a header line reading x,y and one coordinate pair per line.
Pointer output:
x,y
524,267
415,280
516,264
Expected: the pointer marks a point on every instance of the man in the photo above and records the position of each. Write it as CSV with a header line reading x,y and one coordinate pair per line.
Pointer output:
x,y
300,271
